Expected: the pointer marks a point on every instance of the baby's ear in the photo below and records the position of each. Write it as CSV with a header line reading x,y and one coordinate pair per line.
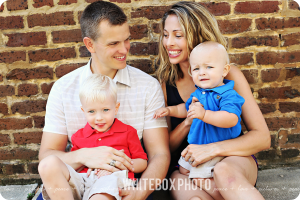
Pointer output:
x,y
82,109
226,70
117,107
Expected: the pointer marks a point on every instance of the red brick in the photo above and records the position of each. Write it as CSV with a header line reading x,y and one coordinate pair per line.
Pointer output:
x,y
266,155
273,141
292,72
27,74
41,3
15,169
121,1
28,138
276,123
3,109
278,93
289,153
11,22
144,48
2,7
19,153
138,31
285,107
53,19
67,36
7,90
257,7
27,89
142,64
150,12
1,78
251,75
242,42
16,5
79,15
217,9
271,58
156,27
26,39
29,107
64,69
66,2
52,54
293,5
269,75
290,39
39,121
267,108
4,140
46,87
84,52
91,1
13,56
15,123
241,58
277,23
235,25
294,138
33,168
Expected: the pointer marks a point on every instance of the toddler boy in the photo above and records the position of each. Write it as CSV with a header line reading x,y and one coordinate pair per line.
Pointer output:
x,y
98,96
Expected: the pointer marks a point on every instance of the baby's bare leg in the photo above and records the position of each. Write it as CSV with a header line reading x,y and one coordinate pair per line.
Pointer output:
x,y
184,171
55,176
102,196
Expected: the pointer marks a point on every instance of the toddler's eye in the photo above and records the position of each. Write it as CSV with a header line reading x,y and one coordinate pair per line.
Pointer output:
x,y
195,69
105,110
209,67
91,111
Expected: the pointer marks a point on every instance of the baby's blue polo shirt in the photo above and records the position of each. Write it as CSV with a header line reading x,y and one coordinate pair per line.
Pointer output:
x,y
222,98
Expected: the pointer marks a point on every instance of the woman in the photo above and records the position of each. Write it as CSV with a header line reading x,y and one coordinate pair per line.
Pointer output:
x,y
183,27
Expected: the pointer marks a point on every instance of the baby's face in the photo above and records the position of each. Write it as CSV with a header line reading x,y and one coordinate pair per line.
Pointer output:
x,y
207,67
101,115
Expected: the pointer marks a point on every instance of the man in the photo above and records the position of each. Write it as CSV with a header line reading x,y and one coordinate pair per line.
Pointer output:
x,y
105,33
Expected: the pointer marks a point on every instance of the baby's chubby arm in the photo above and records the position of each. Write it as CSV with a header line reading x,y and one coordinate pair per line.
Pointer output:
x,y
178,111
222,119
139,165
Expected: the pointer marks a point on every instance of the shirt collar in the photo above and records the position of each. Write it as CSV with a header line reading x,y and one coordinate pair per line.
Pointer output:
x,y
122,75
228,85
117,126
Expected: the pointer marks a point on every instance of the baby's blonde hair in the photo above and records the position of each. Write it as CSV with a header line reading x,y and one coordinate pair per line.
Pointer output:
x,y
97,87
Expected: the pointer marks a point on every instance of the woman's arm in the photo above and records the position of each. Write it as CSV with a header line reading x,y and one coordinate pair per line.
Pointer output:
x,y
180,132
257,138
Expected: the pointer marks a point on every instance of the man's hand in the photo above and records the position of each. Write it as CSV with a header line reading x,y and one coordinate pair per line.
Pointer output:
x,y
196,109
129,193
100,158
161,112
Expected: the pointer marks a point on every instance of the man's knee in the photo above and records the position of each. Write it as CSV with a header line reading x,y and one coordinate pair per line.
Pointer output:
x,y
49,164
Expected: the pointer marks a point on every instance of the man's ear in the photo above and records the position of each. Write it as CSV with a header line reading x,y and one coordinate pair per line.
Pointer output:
x,y
226,70
117,108
89,43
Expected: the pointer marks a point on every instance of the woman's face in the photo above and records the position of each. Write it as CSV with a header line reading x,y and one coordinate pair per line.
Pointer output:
x,y
174,41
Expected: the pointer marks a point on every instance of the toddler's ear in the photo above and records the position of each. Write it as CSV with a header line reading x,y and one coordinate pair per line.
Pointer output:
x,y
82,109
226,70
117,108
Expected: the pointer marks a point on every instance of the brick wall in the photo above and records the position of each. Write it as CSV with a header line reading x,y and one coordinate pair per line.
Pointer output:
x,y
40,41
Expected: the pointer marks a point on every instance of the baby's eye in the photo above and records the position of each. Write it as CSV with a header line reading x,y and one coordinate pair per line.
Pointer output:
x,y
91,111
209,67
106,110
195,69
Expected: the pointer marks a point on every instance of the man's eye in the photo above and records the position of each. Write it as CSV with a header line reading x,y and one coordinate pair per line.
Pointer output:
x,y
91,111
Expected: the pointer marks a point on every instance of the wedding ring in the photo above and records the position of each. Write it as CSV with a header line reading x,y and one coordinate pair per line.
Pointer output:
x,y
112,163
191,161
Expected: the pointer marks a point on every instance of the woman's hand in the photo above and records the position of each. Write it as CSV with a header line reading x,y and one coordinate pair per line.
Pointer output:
x,y
197,154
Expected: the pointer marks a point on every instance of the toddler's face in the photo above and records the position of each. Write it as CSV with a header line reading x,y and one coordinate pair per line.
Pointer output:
x,y
101,115
207,67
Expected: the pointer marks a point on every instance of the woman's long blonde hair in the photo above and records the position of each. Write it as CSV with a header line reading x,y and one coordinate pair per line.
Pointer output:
x,y
198,25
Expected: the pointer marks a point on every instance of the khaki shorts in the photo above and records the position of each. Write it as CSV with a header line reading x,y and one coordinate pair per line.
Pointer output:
x,y
204,170
84,187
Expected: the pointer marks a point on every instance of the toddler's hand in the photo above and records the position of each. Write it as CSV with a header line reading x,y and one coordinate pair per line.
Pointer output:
x,y
102,172
196,110
161,112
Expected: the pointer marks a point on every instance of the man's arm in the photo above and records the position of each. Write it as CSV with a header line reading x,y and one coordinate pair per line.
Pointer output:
x,y
98,157
156,142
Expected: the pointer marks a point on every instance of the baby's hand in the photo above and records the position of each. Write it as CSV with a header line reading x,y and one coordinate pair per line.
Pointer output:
x,y
102,172
196,110
161,112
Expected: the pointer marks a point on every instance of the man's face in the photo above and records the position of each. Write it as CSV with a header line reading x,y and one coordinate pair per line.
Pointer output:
x,y
110,48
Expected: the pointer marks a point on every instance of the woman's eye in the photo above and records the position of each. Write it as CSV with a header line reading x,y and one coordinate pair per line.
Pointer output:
x,y
178,36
